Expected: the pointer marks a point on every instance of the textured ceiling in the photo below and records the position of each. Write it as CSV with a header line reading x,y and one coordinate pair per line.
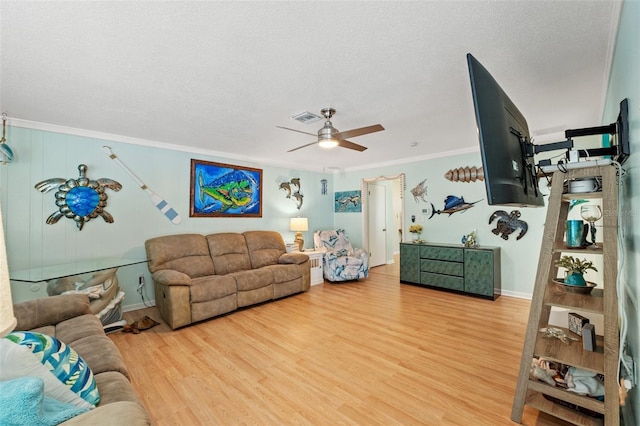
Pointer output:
x,y
217,77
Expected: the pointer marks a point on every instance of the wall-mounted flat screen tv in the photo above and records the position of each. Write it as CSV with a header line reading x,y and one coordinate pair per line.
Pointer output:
x,y
509,173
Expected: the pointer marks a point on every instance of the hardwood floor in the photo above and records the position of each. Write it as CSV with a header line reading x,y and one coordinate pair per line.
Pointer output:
x,y
373,352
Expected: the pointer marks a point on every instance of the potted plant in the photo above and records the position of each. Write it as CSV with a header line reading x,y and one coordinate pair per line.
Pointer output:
x,y
575,269
416,230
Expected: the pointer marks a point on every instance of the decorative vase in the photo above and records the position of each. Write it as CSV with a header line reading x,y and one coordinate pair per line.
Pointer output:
x,y
416,237
576,236
575,278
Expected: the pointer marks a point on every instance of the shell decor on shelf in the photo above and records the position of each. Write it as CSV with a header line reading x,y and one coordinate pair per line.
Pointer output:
x,y
465,174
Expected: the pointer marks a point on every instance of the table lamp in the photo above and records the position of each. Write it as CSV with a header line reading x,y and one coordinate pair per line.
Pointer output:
x,y
7,319
299,225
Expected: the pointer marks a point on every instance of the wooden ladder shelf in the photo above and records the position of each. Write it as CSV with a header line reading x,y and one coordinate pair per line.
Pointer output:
x,y
602,301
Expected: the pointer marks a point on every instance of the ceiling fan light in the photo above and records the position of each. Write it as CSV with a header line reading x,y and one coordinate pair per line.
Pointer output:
x,y
328,143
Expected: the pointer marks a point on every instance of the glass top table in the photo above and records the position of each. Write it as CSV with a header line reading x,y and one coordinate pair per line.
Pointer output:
x,y
53,272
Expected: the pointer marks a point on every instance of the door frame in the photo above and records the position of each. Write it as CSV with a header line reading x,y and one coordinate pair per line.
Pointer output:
x,y
365,201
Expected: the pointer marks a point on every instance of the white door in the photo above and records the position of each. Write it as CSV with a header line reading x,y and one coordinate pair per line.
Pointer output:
x,y
377,197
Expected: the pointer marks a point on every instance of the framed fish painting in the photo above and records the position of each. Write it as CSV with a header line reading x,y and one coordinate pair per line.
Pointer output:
x,y
348,202
225,190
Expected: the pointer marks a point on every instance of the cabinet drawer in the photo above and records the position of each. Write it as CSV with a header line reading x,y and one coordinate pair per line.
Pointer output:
x,y
443,281
442,267
451,254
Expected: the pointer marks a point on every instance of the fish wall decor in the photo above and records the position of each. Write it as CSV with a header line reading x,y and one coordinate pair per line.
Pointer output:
x,y
465,174
419,191
508,223
348,202
292,191
80,199
452,204
225,190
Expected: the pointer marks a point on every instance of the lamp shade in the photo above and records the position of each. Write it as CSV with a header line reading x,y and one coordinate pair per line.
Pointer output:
x,y
299,224
7,320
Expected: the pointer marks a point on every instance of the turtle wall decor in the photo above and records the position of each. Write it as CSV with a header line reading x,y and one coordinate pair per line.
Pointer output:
x,y
508,223
80,199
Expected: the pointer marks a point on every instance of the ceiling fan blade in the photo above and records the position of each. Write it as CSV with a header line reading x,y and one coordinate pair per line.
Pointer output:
x,y
303,146
358,132
299,131
351,145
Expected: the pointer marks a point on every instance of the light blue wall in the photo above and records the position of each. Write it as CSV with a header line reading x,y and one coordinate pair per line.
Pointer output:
x,y
625,83
42,155
518,271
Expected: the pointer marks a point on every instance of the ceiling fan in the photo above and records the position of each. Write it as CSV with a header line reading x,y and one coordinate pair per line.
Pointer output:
x,y
330,137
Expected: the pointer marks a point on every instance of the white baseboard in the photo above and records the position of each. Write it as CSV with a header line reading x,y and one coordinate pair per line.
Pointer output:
x,y
516,294
136,306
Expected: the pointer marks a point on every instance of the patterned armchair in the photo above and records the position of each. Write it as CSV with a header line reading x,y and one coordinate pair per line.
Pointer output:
x,y
341,261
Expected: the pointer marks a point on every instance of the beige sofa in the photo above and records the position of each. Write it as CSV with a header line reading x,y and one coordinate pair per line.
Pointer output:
x,y
69,319
197,277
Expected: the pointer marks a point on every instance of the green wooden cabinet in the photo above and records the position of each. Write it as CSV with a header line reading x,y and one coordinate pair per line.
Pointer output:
x,y
474,271
409,263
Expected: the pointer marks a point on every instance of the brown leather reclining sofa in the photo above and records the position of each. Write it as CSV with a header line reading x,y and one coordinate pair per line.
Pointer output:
x,y
197,277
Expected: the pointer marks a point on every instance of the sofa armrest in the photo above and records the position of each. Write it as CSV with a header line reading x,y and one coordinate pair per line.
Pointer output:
x,y
171,277
293,258
50,310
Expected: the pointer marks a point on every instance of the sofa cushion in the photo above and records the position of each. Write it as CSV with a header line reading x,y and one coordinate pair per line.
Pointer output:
x,y
101,354
265,247
252,279
187,253
114,387
76,328
212,287
229,252
50,310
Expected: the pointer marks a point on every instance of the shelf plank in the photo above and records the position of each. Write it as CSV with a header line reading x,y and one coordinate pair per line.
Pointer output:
x,y
593,302
562,248
581,196
581,400
555,350
536,400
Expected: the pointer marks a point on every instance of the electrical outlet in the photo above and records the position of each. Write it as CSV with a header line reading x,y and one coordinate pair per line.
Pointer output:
x,y
140,282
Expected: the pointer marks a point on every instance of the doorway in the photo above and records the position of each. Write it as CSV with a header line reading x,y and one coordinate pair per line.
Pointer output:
x,y
383,217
